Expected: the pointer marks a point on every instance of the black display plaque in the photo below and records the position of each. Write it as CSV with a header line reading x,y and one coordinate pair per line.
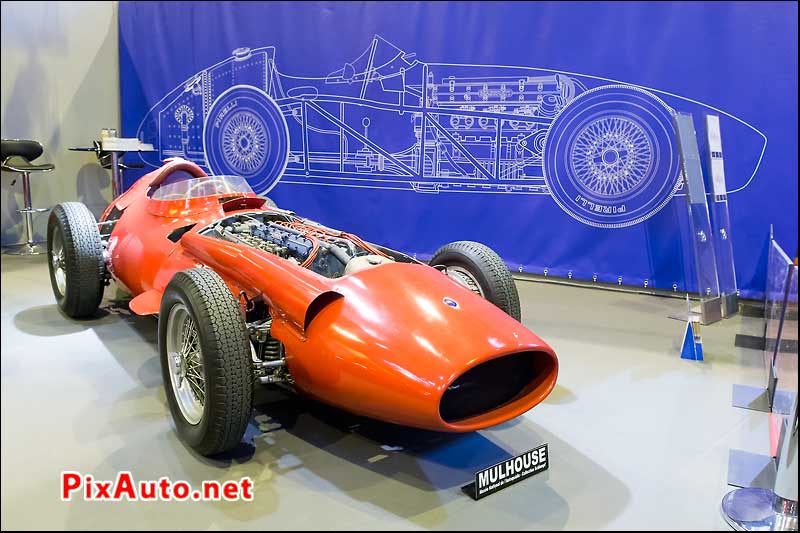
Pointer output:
x,y
508,472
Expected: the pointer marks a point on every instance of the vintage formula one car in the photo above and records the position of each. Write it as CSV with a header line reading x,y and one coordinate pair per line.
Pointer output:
x,y
248,293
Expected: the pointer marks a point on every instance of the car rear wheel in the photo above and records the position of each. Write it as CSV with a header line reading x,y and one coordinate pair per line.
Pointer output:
x,y
480,269
205,361
75,259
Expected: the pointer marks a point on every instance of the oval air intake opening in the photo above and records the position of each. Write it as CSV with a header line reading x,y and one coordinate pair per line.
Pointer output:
x,y
493,384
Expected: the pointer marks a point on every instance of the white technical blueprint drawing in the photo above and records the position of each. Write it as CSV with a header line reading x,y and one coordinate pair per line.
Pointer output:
x,y
604,150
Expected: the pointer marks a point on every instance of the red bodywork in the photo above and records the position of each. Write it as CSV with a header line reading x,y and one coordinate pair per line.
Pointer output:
x,y
378,342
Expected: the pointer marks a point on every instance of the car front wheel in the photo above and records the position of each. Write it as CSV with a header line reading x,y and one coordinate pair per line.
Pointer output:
x,y
205,361
481,270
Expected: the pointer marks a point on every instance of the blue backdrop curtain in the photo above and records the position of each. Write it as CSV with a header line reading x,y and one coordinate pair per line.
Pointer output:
x,y
537,128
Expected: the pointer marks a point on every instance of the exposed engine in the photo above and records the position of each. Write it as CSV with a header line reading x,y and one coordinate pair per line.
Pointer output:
x,y
327,252
310,245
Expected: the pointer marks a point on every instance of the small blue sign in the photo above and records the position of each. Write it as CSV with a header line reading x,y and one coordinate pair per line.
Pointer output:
x,y
692,348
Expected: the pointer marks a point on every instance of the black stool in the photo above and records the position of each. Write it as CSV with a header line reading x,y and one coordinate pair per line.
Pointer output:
x,y
17,156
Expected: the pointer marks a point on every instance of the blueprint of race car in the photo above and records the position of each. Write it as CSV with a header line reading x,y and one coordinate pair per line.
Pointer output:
x,y
603,150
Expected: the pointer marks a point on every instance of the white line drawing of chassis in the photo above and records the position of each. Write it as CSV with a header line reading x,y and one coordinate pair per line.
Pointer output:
x,y
604,150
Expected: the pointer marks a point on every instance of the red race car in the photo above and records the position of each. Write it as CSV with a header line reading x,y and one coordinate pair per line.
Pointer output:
x,y
248,293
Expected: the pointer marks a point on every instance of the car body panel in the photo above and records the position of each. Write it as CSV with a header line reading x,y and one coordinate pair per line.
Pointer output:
x,y
385,342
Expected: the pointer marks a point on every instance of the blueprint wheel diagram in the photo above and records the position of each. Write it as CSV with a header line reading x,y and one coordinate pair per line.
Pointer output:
x,y
246,135
609,157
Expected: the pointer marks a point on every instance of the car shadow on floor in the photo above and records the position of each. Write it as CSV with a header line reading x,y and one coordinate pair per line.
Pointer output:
x,y
426,460
132,341
50,321
291,439
408,472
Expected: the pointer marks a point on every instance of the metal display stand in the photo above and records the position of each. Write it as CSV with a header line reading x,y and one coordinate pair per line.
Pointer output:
x,y
775,508
726,270
705,260
781,285
756,471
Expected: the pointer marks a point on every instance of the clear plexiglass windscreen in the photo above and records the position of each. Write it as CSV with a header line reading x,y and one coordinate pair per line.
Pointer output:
x,y
182,185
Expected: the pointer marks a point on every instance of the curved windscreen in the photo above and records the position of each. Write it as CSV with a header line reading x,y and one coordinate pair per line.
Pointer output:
x,y
196,187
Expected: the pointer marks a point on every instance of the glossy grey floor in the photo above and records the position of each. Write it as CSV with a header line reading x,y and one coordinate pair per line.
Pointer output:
x,y
638,437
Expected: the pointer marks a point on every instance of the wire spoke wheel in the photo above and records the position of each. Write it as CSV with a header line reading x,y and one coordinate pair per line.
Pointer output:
x,y
75,259
185,358
244,141
481,271
465,278
610,159
245,133
206,362
611,156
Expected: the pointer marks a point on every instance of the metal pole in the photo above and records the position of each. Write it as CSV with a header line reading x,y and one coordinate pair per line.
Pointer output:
x,y
26,196
115,174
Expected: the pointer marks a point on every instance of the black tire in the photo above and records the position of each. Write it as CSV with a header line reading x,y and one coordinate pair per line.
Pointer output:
x,y
78,260
487,269
227,365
